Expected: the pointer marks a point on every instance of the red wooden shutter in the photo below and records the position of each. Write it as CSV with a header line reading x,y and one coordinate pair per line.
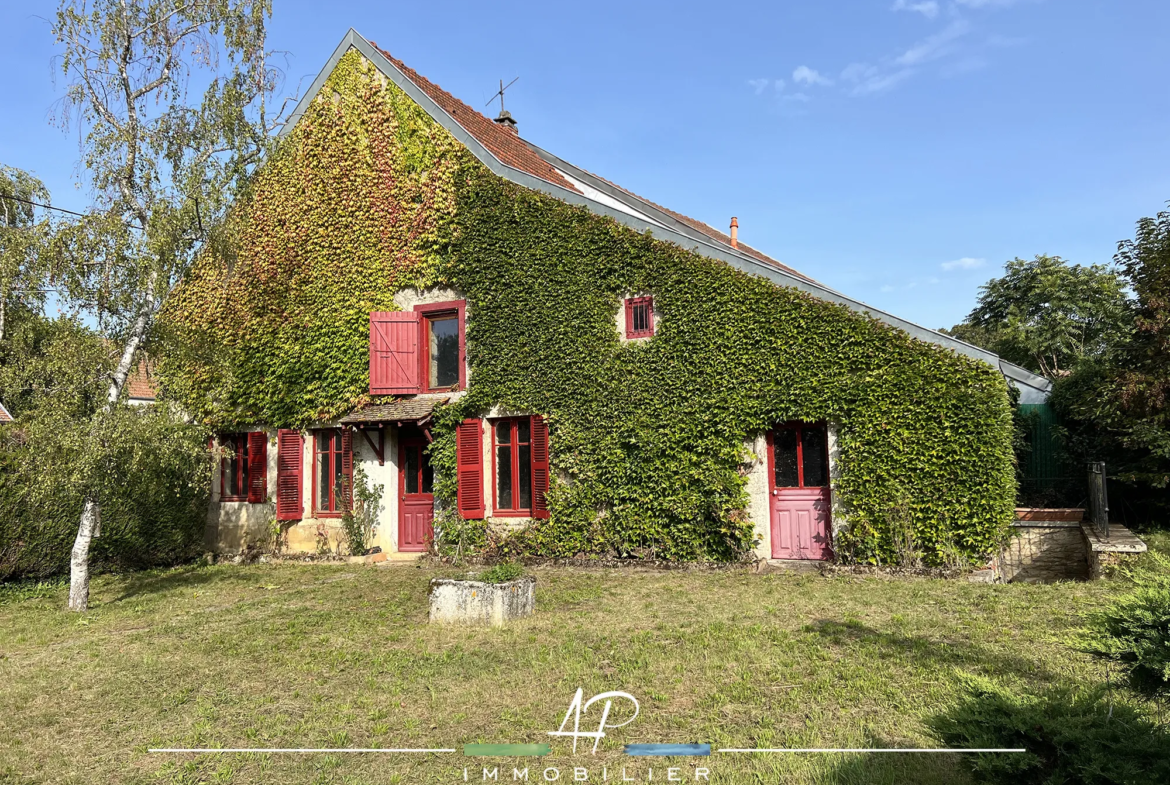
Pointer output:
x,y
629,317
346,468
257,467
395,363
288,475
539,467
469,467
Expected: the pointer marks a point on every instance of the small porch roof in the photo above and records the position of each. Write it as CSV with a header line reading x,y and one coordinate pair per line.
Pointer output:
x,y
412,410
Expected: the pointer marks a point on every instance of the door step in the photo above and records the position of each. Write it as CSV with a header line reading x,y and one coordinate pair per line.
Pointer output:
x,y
788,565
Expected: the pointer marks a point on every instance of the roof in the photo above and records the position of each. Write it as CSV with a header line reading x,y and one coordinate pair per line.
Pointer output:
x,y
139,384
415,410
5,416
502,151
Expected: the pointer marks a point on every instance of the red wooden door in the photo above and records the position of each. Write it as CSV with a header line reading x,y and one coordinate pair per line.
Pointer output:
x,y
416,506
799,484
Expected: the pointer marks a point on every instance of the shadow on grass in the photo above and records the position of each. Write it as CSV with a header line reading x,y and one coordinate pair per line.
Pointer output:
x,y
928,653
139,584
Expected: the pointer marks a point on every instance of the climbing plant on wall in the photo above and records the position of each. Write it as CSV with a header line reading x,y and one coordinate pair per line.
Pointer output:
x,y
650,440
273,325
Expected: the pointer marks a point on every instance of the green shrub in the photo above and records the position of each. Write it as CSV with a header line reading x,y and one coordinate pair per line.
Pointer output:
x,y
1134,629
501,573
1072,737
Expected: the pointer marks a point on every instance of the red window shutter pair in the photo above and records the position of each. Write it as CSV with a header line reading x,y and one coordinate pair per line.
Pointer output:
x,y
395,364
469,467
288,475
257,467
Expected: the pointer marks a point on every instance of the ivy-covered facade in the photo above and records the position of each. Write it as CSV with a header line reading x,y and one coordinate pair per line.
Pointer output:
x,y
519,351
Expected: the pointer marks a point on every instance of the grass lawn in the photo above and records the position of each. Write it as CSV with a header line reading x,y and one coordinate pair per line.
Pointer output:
x,y
338,656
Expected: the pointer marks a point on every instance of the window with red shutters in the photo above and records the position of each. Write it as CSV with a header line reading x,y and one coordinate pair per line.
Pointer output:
x,y
469,468
289,452
639,317
424,350
257,467
394,353
233,468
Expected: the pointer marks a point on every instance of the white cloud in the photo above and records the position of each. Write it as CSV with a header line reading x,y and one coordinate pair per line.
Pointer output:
x,y
928,8
934,46
869,79
796,97
966,263
805,75
759,85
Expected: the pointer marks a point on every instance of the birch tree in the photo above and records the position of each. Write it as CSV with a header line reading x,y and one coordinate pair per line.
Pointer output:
x,y
162,168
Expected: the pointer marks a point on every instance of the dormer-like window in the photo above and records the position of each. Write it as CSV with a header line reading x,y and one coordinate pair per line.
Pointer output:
x,y
639,317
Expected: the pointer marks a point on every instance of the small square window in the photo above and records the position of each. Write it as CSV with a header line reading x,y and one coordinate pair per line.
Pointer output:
x,y
639,317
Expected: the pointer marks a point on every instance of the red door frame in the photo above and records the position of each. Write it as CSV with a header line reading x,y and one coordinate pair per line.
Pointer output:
x,y
418,498
798,425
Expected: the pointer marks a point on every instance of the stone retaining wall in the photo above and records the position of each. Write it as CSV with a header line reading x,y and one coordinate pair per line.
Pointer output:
x,y
1044,552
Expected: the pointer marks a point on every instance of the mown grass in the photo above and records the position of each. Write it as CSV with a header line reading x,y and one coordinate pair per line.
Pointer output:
x,y
339,656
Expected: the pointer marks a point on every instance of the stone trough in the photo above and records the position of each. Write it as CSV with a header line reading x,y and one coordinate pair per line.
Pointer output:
x,y
475,602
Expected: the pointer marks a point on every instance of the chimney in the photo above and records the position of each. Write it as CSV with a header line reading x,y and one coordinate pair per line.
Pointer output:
x,y
506,122
734,232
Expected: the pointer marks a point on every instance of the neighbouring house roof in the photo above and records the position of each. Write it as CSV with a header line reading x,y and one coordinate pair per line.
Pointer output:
x,y
416,410
5,416
506,154
139,385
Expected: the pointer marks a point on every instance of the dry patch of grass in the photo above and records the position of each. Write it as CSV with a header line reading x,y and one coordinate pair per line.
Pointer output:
x,y
340,656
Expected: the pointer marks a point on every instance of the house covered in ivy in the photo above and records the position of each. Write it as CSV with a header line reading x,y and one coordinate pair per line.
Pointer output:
x,y
491,342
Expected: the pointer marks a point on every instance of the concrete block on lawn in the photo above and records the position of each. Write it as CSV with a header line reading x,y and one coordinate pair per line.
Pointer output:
x,y
475,602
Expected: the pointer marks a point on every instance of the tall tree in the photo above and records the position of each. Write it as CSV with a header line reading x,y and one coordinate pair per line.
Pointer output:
x,y
1048,315
163,170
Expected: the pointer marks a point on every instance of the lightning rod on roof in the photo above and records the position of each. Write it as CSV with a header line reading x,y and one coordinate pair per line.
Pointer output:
x,y
504,118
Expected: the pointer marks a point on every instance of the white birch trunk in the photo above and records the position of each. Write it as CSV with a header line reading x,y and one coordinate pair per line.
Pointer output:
x,y
90,525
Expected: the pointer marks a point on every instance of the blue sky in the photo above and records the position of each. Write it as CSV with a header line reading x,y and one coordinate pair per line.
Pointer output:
x,y
896,150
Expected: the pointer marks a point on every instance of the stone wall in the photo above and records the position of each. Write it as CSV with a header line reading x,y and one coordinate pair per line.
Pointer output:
x,y
1043,552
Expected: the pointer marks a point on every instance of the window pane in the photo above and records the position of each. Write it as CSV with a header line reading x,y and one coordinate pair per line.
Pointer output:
x,y
641,317
816,462
324,472
428,476
504,432
504,478
785,442
524,464
411,470
522,432
444,351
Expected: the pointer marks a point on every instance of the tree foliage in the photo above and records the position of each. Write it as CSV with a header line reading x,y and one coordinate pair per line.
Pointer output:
x,y
1048,315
